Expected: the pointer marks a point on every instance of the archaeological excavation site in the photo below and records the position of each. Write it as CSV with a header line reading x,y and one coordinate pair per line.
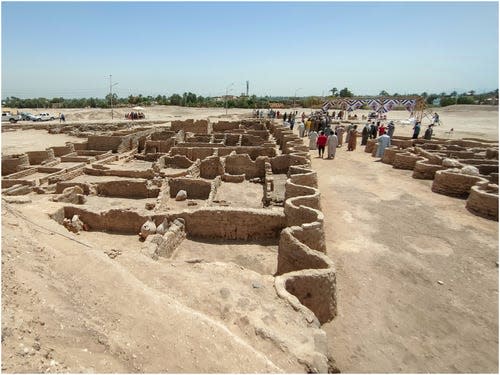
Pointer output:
x,y
461,168
214,230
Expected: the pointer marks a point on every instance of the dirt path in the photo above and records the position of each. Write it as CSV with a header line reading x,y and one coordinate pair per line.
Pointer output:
x,y
393,239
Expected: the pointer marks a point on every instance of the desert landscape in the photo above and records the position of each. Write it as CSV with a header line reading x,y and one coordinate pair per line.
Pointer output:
x,y
277,261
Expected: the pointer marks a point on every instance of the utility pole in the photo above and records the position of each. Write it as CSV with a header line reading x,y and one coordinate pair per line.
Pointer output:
x,y
111,84
225,102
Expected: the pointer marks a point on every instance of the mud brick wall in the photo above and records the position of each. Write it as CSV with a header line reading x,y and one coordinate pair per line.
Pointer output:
x,y
162,135
63,150
66,176
222,126
211,167
22,173
9,183
390,154
233,223
193,153
280,164
426,171
126,189
198,138
405,161
251,140
401,143
239,164
198,126
253,151
195,188
264,134
139,173
37,157
81,146
232,139
176,161
483,203
163,146
11,164
104,143
454,184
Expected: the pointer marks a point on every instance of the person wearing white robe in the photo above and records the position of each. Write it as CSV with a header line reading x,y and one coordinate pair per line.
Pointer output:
x,y
301,128
382,142
340,134
313,136
332,144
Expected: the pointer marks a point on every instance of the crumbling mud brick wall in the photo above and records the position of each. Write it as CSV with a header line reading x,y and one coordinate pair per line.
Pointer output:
x,y
160,146
197,127
304,273
195,188
454,184
38,157
127,189
211,167
243,164
222,126
405,161
426,171
63,150
233,223
14,163
483,201
193,153
139,173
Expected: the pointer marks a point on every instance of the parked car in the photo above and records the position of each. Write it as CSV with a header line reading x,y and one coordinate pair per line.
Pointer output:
x,y
44,117
7,116
26,116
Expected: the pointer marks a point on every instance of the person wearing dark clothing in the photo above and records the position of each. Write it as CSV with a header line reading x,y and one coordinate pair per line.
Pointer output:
x,y
365,134
416,130
428,133
373,134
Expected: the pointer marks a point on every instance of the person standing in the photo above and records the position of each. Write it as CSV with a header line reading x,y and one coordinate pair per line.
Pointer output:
x,y
313,136
340,134
416,130
373,128
365,134
428,132
332,143
321,143
308,126
353,135
301,127
390,129
284,117
62,118
381,130
383,142
435,119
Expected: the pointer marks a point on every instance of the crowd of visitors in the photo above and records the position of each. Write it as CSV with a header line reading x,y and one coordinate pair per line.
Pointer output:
x,y
326,138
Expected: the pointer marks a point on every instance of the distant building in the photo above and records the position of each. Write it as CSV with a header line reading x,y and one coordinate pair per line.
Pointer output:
x,y
436,101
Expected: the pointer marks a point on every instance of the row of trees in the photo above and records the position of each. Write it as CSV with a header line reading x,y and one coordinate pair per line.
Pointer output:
x,y
189,99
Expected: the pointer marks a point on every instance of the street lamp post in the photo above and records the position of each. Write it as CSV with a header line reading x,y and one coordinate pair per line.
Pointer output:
x,y
111,94
295,97
225,101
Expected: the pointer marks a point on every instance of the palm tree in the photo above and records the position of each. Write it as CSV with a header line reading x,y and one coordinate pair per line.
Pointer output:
x,y
334,91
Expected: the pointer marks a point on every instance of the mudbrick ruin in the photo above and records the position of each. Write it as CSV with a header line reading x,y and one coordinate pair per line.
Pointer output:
x,y
461,168
197,184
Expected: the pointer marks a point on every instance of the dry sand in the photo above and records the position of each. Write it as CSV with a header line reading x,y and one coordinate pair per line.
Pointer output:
x,y
67,307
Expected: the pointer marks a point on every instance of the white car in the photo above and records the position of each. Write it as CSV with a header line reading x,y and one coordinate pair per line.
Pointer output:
x,y
43,117
7,116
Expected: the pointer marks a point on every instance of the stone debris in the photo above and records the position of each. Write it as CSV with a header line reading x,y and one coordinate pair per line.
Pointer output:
x,y
72,194
113,253
440,282
149,227
470,170
75,225
192,203
181,195
163,227
452,163
150,206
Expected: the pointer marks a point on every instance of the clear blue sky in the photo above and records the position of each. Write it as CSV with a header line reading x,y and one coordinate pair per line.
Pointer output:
x,y
69,49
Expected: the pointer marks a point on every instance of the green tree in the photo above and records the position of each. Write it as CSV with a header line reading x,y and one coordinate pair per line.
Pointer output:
x,y
345,93
383,93
175,99
446,101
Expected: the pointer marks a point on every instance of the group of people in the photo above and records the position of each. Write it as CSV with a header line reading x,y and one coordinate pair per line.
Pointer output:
x,y
330,140
135,116
428,132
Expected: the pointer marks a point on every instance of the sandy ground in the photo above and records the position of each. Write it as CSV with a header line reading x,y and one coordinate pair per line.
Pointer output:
x,y
68,307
